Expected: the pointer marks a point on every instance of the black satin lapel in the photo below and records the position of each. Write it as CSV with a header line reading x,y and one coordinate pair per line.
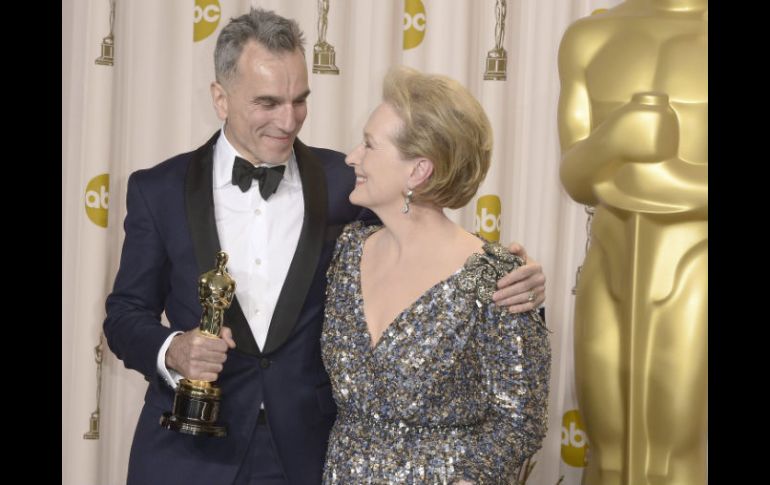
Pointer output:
x,y
303,265
199,202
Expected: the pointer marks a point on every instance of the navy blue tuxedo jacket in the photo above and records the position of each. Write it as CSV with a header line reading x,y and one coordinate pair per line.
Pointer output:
x,y
171,239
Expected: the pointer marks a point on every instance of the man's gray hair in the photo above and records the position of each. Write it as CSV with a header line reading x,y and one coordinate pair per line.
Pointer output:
x,y
277,34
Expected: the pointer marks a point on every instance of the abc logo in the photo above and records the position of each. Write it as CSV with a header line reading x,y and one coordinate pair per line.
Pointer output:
x,y
414,23
574,441
205,18
97,196
487,220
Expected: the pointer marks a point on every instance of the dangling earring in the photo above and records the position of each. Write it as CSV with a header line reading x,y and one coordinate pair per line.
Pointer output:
x,y
407,200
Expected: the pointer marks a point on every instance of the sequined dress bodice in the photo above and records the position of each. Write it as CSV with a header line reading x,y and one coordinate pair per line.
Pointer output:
x,y
455,387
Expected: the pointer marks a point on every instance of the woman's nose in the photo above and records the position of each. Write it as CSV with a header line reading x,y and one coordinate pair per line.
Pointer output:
x,y
352,157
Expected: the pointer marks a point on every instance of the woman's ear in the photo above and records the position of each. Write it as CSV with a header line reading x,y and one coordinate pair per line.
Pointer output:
x,y
421,172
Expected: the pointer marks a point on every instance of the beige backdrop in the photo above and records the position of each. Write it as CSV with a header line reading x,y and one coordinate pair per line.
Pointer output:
x,y
153,102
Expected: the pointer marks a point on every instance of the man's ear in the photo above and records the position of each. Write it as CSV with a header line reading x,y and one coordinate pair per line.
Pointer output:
x,y
421,172
219,98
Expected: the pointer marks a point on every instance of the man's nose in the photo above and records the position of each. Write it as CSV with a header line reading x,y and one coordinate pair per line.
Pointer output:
x,y
286,118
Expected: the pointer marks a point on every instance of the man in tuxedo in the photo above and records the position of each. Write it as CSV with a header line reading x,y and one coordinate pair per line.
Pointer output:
x,y
279,232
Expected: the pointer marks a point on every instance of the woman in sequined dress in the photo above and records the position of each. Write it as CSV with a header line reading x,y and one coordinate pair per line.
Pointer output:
x,y
433,382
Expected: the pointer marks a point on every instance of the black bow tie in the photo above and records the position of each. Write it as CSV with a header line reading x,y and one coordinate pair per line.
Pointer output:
x,y
268,177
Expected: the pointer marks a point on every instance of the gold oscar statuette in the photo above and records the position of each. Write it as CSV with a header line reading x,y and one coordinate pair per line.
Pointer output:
x,y
93,423
196,403
323,52
497,58
108,43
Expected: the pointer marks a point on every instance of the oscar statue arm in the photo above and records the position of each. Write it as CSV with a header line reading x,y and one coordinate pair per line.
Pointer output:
x,y
580,159
644,130
651,174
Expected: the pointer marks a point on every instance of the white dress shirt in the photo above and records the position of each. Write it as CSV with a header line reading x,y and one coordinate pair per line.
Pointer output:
x,y
259,236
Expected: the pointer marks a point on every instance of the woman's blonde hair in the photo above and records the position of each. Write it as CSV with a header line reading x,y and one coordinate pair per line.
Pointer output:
x,y
444,123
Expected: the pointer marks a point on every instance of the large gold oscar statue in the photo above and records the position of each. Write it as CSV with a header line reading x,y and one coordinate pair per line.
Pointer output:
x,y
633,123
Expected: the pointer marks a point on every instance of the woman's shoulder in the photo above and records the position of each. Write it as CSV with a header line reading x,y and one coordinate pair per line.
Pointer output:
x,y
352,237
482,270
356,232
500,257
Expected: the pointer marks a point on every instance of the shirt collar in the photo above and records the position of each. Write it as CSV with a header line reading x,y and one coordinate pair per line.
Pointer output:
x,y
224,158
